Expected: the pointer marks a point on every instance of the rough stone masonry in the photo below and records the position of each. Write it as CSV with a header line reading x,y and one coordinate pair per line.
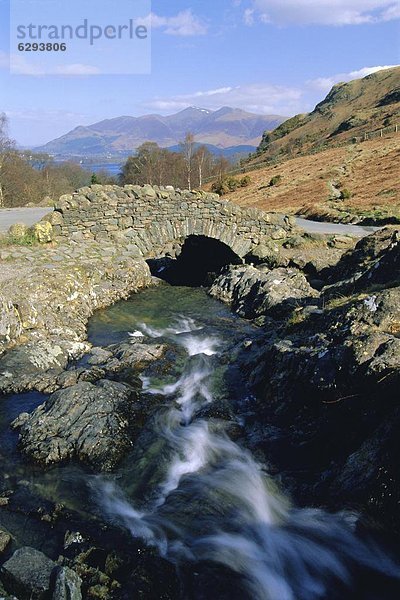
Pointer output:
x,y
153,218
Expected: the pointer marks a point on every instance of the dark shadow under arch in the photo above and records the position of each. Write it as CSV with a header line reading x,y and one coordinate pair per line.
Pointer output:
x,y
200,261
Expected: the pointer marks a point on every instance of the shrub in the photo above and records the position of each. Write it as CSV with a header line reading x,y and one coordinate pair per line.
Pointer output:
x,y
245,181
275,180
345,194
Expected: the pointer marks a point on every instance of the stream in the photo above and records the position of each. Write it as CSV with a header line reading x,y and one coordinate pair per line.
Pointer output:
x,y
190,488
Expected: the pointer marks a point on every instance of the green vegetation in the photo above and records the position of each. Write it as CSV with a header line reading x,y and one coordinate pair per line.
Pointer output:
x,y
351,111
345,194
275,180
284,129
296,318
27,239
228,184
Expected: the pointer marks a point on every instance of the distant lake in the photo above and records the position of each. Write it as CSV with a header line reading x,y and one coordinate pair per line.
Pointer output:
x,y
111,168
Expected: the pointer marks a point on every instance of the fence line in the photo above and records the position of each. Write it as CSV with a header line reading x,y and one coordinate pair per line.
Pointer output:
x,y
316,150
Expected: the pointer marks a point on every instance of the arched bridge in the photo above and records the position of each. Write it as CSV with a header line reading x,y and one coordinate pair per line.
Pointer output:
x,y
154,219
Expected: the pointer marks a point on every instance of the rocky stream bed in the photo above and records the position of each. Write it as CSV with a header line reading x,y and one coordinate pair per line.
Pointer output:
x,y
239,441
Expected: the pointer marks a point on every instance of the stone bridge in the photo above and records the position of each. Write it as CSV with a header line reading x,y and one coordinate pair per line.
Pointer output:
x,y
157,220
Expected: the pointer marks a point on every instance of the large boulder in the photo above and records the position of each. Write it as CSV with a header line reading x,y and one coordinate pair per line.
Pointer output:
x,y
90,423
255,292
377,252
67,585
43,232
18,231
27,574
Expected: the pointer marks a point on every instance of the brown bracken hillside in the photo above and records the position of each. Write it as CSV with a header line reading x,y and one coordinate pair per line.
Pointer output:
x,y
314,185
327,170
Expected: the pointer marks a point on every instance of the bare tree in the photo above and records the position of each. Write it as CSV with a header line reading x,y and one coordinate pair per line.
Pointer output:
x,y
188,148
6,146
203,162
221,167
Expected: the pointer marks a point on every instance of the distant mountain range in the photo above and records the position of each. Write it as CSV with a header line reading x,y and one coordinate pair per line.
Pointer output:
x,y
223,128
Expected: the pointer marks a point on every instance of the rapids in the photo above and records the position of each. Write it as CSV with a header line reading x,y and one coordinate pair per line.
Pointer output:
x,y
213,502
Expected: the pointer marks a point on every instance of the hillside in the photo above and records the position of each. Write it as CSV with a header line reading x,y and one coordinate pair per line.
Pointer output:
x,y
332,164
224,128
312,185
350,110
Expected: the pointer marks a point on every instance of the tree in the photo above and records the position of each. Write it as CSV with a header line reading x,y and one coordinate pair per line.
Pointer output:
x,y
142,167
6,146
221,167
188,149
155,166
203,161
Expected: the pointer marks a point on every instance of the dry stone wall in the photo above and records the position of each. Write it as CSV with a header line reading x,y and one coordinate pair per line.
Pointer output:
x,y
153,219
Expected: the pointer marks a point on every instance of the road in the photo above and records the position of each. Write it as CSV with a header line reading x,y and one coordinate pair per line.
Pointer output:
x,y
335,228
29,216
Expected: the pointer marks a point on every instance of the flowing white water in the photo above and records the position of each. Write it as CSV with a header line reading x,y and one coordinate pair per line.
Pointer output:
x,y
233,513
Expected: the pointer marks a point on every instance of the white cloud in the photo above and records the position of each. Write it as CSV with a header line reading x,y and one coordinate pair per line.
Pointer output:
x,y
77,69
21,66
259,98
249,16
325,12
324,84
184,24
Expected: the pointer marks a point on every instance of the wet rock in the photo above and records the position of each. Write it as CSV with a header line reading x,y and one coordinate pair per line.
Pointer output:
x,y
99,356
253,292
90,423
27,574
67,585
5,539
35,365
371,470
132,356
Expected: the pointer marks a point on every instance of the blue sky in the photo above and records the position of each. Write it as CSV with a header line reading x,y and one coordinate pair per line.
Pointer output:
x,y
267,56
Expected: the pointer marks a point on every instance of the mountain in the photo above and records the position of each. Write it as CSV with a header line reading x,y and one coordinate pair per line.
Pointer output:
x,y
224,128
350,110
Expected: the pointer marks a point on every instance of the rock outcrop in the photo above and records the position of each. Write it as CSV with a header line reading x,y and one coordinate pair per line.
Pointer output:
x,y
328,381
253,292
47,297
91,419
27,574
86,422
